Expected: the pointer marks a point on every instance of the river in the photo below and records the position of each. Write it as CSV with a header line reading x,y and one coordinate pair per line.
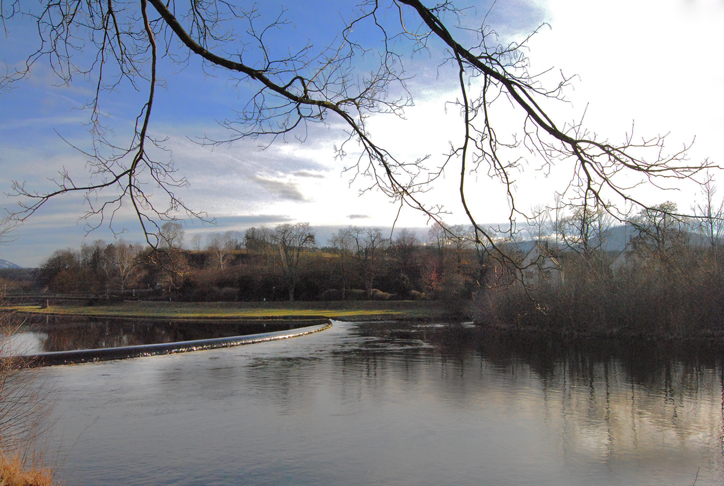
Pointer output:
x,y
395,404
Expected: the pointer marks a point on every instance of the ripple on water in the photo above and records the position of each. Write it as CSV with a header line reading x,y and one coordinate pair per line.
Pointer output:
x,y
370,404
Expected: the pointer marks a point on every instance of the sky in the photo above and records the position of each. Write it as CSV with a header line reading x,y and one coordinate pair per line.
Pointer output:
x,y
652,64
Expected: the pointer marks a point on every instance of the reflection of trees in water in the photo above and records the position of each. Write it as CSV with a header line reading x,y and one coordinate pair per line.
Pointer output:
x,y
598,402
649,364
610,397
65,334
604,399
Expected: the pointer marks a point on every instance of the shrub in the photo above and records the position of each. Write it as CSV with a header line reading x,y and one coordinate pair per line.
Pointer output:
x,y
228,294
679,300
356,294
417,295
377,294
330,294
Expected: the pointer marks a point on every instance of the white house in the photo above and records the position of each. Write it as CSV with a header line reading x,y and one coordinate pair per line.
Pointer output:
x,y
628,258
540,266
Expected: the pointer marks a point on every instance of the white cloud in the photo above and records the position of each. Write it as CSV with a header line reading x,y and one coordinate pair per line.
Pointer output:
x,y
655,62
648,64
651,61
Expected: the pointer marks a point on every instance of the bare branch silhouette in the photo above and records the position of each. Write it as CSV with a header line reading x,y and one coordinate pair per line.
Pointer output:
x,y
342,84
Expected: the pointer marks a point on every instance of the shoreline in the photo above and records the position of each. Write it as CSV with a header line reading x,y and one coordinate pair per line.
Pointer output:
x,y
234,311
345,311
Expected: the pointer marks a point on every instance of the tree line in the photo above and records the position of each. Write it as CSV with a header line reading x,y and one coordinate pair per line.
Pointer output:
x,y
280,263
666,280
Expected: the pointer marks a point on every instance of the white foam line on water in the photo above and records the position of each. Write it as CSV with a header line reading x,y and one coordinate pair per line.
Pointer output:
x,y
125,352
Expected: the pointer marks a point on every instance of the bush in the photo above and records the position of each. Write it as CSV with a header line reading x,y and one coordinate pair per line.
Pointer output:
x,y
377,294
356,294
417,295
330,294
680,300
228,294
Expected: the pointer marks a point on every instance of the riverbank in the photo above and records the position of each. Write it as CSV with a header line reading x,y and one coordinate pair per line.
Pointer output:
x,y
343,311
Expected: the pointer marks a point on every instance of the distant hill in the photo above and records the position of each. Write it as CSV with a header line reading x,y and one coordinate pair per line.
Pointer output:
x,y
617,237
615,240
7,264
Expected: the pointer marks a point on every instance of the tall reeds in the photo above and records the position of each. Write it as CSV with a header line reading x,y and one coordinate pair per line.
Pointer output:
x,y
25,407
682,297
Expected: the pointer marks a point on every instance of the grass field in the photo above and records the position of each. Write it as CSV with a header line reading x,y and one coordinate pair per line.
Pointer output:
x,y
363,310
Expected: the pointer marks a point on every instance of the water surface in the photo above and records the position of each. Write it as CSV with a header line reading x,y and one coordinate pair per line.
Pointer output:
x,y
395,404
42,334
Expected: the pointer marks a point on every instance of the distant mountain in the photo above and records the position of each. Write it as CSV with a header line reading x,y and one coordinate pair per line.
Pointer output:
x,y
617,237
7,264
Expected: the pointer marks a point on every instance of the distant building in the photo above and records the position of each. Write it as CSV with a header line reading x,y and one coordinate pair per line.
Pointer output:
x,y
626,259
540,266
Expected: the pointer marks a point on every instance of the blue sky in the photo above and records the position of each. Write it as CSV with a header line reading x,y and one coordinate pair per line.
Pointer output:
x,y
655,62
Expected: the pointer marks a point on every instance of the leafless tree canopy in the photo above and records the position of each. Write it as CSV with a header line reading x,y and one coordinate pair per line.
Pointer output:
x,y
292,240
358,74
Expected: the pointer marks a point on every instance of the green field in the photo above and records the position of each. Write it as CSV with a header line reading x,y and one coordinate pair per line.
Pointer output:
x,y
364,310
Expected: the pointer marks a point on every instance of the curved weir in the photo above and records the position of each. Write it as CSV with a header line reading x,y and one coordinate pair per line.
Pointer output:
x,y
125,352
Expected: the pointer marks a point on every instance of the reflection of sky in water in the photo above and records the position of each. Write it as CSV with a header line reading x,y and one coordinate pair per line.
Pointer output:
x,y
638,432
25,343
358,408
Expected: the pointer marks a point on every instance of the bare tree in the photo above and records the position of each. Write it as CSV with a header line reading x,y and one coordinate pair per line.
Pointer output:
x,y
168,255
359,74
710,215
196,242
584,230
344,242
455,237
709,218
291,241
119,262
222,245
367,247
406,241
125,262
257,240
171,235
539,222
661,233
404,260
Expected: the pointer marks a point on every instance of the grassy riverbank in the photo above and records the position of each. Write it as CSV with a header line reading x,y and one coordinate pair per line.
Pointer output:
x,y
346,311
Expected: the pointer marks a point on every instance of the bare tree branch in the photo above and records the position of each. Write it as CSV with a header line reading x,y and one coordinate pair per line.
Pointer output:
x,y
346,82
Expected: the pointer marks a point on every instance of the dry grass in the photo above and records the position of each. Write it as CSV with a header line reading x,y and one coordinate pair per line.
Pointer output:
x,y
15,471
25,407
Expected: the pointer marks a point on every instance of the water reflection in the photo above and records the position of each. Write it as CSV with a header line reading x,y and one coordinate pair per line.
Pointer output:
x,y
618,399
635,404
54,333
400,403
22,343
